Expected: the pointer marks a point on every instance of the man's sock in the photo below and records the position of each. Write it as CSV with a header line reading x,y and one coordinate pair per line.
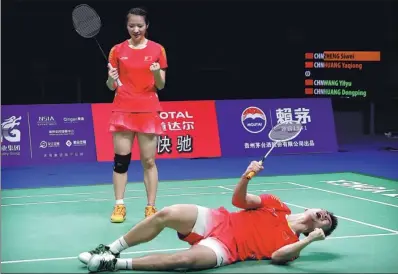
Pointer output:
x,y
124,264
118,246
120,202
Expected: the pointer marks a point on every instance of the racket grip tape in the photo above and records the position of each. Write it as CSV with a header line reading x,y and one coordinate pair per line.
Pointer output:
x,y
252,173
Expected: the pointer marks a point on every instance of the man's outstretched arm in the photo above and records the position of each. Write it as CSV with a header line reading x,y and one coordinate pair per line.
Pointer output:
x,y
292,251
241,198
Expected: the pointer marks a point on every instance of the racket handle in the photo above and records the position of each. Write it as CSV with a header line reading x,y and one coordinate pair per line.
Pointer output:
x,y
119,83
252,173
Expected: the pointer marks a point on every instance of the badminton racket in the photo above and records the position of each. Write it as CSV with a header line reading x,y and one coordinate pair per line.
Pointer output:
x,y
283,132
87,24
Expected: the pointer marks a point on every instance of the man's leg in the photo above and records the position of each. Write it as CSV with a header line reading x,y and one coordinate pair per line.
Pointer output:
x,y
197,257
181,218
205,252
148,148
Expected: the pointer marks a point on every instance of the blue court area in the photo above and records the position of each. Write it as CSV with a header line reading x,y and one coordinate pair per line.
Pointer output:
x,y
364,159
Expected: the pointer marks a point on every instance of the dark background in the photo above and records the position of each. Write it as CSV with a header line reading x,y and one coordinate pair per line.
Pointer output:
x,y
215,49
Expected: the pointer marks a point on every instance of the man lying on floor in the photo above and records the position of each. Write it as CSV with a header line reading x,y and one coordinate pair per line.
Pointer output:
x,y
264,229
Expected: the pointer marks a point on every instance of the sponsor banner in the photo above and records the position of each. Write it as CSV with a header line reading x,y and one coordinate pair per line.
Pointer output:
x,y
62,133
57,133
244,126
15,136
191,131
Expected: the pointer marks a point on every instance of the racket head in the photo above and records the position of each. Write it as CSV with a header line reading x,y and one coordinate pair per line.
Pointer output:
x,y
86,21
285,131
282,132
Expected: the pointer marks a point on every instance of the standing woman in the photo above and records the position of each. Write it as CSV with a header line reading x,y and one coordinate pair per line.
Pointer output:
x,y
140,65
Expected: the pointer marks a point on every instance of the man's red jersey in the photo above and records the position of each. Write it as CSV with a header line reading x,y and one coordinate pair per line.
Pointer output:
x,y
254,234
138,92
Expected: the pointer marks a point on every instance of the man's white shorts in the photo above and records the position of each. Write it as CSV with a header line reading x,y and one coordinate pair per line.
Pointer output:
x,y
201,229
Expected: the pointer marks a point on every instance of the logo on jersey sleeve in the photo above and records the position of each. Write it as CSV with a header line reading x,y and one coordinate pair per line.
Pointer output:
x,y
278,200
253,119
275,198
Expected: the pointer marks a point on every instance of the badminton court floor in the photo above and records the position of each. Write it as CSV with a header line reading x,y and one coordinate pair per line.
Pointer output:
x,y
43,230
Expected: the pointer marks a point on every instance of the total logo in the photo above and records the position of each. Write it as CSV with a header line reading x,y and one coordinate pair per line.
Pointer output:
x,y
254,119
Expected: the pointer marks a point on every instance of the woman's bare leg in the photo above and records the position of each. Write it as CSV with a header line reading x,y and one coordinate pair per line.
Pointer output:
x,y
148,149
122,142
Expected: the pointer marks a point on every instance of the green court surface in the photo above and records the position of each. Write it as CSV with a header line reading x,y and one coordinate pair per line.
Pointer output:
x,y
43,230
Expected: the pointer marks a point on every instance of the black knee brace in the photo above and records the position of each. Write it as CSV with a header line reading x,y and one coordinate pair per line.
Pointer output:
x,y
121,163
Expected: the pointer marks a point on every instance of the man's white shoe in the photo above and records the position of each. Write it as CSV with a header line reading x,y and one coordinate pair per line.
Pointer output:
x,y
105,262
85,257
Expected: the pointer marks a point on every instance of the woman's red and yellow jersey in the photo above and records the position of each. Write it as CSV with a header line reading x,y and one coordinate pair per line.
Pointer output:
x,y
138,92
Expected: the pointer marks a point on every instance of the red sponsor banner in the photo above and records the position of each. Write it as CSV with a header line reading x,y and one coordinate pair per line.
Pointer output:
x,y
191,131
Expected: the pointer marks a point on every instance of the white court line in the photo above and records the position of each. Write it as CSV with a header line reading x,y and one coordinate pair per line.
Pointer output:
x,y
64,194
341,217
140,197
179,249
346,195
131,190
352,220
361,236
223,187
75,257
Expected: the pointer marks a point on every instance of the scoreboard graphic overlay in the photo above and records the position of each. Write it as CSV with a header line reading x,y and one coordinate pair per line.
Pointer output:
x,y
344,74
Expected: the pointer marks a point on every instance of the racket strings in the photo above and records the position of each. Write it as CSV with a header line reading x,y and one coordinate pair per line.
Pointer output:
x,y
87,24
283,132
86,21
280,133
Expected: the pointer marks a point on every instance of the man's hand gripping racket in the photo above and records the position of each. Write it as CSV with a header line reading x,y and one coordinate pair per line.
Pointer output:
x,y
87,24
282,132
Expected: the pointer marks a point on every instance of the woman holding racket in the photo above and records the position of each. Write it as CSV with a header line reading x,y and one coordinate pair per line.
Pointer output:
x,y
139,65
